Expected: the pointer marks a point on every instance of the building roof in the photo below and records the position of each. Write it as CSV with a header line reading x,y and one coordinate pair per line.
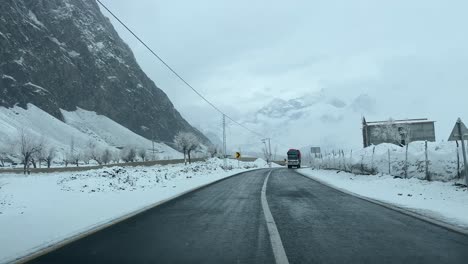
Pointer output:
x,y
404,121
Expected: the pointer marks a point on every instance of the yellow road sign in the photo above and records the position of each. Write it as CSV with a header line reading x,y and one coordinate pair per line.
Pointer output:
x,y
238,155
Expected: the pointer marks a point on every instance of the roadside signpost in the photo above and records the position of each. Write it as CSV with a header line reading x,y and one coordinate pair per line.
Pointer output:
x,y
460,132
238,156
316,152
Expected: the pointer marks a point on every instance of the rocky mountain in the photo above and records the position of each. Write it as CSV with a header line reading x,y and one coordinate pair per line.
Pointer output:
x,y
64,54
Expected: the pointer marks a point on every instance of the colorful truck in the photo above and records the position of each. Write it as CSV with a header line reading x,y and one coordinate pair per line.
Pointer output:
x,y
294,158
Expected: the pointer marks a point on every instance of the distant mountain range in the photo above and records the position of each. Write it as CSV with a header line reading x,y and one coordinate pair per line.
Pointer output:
x,y
315,119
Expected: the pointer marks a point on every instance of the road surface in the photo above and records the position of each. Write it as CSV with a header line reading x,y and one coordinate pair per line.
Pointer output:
x,y
225,223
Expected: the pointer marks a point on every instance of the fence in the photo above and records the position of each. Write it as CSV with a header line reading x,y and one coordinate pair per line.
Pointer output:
x,y
423,160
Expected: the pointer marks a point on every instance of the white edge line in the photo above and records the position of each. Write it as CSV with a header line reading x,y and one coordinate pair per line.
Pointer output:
x,y
394,207
275,239
98,227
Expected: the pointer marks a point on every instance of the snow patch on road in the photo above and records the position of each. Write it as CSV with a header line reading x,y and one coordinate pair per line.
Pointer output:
x,y
444,201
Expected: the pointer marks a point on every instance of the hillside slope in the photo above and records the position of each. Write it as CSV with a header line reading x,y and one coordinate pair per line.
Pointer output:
x,y
82,127
64,54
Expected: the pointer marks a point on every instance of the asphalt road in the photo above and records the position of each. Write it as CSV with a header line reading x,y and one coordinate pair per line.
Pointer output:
x,y
225,223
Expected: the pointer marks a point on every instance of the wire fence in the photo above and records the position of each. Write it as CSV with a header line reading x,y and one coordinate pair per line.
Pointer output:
x,y
422,160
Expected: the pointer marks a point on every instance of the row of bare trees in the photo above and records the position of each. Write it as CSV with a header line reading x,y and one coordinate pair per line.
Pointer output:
x,y
36,151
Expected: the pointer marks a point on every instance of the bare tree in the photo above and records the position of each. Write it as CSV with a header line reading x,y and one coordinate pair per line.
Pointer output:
x,y
73,156
142,154
128,154
92,152
115,156
76,158
106,156
186,142
194,145
50,155
182,144
39,156
27,148
85,156
2,159
212,151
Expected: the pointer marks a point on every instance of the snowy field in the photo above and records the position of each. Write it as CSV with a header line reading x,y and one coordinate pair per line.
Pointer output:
x,y
444,201
42,209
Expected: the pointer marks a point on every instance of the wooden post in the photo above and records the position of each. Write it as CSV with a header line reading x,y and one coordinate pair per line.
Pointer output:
x,y
372,162
427,164
389,163
334,165
406,161
458,160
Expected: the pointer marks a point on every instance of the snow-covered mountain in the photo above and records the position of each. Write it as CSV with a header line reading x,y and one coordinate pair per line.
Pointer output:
x,y
66,55
295,122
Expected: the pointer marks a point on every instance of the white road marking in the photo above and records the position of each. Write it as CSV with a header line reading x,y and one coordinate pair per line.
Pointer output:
x,y
275,239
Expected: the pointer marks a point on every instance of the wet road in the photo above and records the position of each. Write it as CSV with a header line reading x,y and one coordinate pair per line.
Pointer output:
x,y
225,223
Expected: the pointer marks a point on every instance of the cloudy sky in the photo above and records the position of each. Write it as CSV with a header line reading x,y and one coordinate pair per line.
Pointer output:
x,y
407,59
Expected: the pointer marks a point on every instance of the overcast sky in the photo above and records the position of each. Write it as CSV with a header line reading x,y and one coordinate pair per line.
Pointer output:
x,y
409,57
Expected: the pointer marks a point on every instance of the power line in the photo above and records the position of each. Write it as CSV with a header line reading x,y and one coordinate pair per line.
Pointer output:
x,y
176,74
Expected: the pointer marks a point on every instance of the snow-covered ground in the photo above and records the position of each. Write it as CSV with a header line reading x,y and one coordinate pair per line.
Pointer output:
x,y
443,201
81,126
43,209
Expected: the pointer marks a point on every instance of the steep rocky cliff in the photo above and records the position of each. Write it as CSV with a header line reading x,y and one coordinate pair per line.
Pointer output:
x,y
63,54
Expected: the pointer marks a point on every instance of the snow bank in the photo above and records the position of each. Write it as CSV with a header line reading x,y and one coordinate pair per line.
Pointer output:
x,y
51,207
439,200
262,163
442,158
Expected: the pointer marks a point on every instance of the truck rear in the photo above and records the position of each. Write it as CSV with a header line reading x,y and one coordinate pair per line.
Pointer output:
x,y
294,158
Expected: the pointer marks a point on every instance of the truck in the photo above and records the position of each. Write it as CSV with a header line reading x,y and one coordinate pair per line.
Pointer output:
x,y
294,158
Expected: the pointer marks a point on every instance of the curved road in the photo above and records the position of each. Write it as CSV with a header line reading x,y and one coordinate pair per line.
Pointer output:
x,y
225,223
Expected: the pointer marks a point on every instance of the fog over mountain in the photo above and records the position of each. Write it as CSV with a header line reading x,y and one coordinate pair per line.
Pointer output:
x,y
324,63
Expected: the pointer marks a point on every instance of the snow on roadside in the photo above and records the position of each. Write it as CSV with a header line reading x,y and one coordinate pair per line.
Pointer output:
x,y
443,201
42,209
442,160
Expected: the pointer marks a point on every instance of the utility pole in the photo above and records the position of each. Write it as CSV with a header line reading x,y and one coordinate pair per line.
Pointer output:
x,y
224,140
152,141
269,152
